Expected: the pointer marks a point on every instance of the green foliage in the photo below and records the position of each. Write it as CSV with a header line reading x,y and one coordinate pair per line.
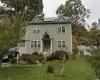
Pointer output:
x,y
35,53
95,61
78,69
75,52
75,10
11,33
94,37
50,69
94,42
30,8
31,59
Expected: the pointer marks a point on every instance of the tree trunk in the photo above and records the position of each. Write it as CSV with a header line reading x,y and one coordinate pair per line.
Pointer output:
x,y
62,66
62,69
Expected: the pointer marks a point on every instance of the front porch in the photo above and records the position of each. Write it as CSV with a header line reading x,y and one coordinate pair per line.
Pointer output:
x,y
46,43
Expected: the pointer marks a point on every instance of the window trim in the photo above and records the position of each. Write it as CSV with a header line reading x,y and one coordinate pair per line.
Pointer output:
x,y
37,44
61,30
61,43
36,29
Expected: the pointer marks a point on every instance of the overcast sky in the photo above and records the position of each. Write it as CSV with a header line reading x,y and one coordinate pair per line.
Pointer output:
x,y
50,7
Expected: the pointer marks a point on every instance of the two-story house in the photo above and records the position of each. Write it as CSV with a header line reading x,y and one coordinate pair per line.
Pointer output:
x,y
48,35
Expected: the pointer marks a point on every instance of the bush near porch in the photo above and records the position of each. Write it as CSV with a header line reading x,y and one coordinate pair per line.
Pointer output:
x,y
58,55
31,59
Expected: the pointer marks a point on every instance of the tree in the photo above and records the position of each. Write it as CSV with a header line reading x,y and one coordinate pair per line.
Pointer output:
x,y
11,33
75,10
94,24
62,56
94,42
31,8
77,13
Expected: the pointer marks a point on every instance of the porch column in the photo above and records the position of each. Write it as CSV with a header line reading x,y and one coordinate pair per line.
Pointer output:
x,y
41,50
17,57
51,46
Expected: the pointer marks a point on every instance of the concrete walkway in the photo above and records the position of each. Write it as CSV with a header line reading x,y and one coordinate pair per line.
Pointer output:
x,y
6,64
9,64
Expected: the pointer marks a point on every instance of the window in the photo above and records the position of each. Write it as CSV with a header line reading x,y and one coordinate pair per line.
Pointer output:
x,y
36,30
61,44
61,29
35,44
39,42
32,44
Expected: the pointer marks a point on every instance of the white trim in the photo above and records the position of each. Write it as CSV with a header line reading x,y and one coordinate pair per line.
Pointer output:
x,y
37,41
71,38
61,43
47,33
61,28
35,18
41,48
60,17
51,44
36,28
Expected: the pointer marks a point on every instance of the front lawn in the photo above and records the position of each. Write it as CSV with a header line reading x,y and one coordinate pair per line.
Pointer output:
x,y
75,70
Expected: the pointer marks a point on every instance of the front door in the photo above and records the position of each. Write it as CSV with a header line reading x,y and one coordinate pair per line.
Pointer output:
x,y
46,45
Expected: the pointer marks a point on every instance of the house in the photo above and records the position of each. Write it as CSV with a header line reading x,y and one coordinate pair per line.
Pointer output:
x,y
98,25
48,35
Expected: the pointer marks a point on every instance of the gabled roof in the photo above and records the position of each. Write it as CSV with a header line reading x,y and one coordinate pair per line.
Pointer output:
x,y
36,19
46,34
50,20
62,18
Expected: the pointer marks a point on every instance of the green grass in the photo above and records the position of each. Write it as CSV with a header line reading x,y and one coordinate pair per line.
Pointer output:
x,y
75,70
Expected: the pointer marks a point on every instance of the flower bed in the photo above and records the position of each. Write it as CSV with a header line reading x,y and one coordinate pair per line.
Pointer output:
x,y
31,59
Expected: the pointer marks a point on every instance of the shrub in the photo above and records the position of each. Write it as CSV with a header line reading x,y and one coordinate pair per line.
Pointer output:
x,y
94,59
13,61
75,52
32,59
22,62
35,53
58,55
24,57
50,69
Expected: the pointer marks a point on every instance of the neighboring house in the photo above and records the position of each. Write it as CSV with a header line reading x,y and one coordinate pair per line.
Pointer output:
x,y
84,49
48,35
98,25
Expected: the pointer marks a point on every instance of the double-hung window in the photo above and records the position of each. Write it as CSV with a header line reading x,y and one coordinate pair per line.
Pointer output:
x,y
35,44
61,29
61,44
36,30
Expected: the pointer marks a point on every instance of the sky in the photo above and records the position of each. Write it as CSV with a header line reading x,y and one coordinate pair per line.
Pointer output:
x,y
50,7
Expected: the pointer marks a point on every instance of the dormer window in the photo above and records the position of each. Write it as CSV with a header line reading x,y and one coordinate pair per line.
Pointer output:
x,y
61,29
36,30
